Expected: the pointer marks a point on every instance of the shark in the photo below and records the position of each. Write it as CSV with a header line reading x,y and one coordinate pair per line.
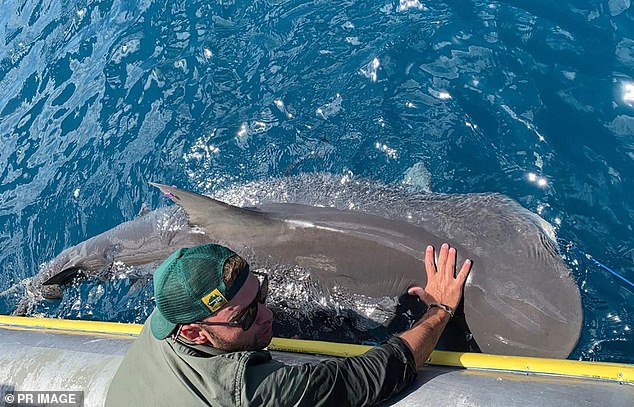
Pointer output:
x,y
520,298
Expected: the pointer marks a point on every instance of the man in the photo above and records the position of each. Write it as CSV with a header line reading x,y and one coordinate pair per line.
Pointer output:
x,y
203,343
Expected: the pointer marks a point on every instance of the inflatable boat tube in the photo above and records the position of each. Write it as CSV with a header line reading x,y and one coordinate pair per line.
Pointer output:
x,y
40,354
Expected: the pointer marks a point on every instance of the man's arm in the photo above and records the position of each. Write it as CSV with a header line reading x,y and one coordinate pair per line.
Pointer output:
x,y
443,287
423,337
382,371
362,380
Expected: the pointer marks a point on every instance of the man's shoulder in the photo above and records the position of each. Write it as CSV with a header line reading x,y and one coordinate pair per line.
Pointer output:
x,y
251,357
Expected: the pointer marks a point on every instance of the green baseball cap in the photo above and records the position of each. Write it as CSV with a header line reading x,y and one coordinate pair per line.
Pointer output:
x,y
189,286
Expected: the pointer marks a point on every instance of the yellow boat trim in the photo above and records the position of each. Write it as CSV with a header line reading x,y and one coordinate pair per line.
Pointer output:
x,y
66,325
620,372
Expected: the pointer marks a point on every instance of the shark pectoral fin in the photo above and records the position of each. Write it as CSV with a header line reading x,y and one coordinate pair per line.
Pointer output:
x,y
65,276
204,211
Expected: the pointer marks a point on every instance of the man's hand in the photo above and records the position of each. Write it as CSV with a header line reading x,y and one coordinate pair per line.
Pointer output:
x,y
443,285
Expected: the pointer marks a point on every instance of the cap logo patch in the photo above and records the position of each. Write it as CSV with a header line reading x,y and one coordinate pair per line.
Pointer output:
x,y
214,300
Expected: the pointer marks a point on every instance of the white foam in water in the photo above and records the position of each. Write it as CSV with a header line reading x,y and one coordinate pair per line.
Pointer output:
x,y
410,4
418,176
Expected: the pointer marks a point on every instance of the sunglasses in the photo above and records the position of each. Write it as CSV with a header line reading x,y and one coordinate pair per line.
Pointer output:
x,y
247,317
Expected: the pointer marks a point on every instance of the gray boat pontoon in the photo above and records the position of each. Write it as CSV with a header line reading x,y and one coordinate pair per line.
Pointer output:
x,y
39,354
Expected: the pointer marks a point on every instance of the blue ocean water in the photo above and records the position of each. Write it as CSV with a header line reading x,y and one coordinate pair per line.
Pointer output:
x,y
534,100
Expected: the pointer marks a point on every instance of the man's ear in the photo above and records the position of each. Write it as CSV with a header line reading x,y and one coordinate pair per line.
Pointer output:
x,y
194,333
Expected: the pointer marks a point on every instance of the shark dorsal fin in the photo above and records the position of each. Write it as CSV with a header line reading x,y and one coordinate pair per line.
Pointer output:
x,y
204,211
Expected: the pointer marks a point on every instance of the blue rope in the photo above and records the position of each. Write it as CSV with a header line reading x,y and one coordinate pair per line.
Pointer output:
x,y
598,263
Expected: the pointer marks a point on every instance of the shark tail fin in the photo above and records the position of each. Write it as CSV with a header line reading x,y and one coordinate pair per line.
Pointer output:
x,y
203,210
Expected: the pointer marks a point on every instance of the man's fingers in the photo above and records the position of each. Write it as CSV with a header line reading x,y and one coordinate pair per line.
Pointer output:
x,y
450,266
430,267
442,256
464,271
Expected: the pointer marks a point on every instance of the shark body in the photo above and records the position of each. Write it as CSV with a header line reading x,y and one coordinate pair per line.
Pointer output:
x,y
520,297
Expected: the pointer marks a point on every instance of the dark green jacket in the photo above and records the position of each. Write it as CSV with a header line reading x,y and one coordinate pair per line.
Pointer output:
x,y
171,373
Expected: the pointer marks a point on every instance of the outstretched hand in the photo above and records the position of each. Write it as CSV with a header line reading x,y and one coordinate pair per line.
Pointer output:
x,y
443,285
